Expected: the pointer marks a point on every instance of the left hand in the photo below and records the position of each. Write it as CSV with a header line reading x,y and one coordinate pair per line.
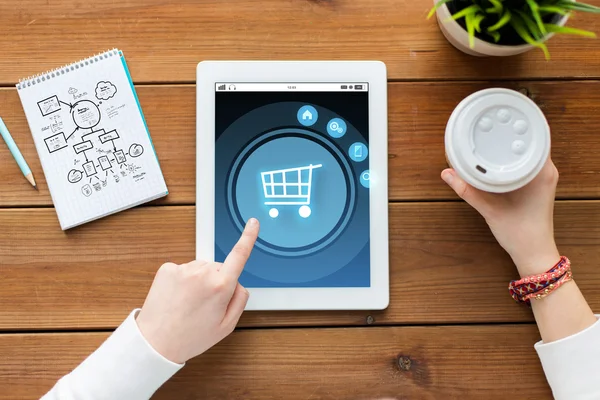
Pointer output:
x,y
522,221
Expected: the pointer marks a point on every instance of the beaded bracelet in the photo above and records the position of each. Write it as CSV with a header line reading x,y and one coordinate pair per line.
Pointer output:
x,y
542,284
555,272
551,288
539,282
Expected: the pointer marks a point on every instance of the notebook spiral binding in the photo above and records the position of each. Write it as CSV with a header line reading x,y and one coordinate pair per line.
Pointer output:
x,y
65,69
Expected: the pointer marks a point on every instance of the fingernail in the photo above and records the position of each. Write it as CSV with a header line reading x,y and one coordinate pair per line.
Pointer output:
x,y
447,177
252,222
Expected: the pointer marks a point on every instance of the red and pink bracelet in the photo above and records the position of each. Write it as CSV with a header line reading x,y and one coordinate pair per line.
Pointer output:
x,y
541,285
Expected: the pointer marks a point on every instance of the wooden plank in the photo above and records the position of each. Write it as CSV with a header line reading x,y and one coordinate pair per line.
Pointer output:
x,y
418,113
351,363
163,41
445,267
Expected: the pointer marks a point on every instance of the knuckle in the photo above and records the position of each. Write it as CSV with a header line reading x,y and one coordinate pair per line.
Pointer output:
x,y
167,267
201,273
245,293
551,175
463,190
232,323
219,285
230,327
555,174
198,263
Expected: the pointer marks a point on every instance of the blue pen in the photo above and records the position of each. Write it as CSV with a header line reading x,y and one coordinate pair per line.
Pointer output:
x,y
14,150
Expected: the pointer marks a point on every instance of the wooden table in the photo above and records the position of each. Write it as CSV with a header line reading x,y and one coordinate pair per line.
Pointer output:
x,y
451,330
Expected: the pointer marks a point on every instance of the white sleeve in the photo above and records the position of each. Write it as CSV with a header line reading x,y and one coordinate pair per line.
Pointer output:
x,y
572,364
125,366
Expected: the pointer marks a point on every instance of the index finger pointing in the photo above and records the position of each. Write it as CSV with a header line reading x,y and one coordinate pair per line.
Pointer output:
x,y
236,260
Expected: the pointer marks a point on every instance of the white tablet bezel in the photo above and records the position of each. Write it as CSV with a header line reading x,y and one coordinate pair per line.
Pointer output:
x,y
375,297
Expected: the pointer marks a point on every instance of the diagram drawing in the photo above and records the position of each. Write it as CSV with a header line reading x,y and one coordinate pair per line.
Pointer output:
x,y
105,90
49,105
75,176
56,142
86,190
56,123
80,129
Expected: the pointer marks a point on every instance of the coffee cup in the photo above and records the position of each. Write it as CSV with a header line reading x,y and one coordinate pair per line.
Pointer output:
x,y
497,140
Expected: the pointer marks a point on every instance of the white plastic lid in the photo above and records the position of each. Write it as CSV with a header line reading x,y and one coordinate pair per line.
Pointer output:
x,y
497,140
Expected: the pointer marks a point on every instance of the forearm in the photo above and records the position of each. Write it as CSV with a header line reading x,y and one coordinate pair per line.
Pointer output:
x,y
565,311
562,314
125,366
570,346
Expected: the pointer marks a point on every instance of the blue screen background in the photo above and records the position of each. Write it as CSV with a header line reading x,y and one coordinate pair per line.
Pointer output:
x,y
263,132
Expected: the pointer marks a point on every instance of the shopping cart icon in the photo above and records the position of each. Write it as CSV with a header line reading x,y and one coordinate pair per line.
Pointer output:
x,y
288,187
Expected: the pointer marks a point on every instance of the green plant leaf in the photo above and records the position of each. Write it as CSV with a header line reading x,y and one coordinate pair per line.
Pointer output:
x,y
497,9
536,16
503,21
570,5
530,25
569,31
495,35
435,8
554,10
470,29
471,10
520,28
477,21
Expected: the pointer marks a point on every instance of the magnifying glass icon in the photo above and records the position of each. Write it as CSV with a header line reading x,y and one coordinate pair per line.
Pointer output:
x,y
365,178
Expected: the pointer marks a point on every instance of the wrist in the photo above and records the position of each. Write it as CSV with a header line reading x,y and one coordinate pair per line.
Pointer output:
x,y
157,338
537,262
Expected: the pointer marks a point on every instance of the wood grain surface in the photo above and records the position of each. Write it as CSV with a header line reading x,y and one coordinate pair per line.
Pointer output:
x,y
354,363
445,267
164,40
418,113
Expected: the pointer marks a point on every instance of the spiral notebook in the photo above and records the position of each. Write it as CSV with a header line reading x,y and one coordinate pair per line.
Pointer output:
x,y
92,138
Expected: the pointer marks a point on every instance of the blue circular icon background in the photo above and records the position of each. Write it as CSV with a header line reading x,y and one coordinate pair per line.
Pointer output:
x,y
358,152
307,115
328,193
336,128
365,178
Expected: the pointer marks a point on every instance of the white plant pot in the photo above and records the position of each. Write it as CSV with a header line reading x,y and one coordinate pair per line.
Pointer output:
x,y
459,37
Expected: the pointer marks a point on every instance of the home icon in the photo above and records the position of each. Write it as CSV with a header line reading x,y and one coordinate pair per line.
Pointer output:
x,y
307,115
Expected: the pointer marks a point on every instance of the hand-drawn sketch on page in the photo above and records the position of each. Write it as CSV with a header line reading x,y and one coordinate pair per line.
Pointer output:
x,y
92,138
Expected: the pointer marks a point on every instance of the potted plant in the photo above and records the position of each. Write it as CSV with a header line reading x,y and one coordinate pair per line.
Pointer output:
x,y
506,27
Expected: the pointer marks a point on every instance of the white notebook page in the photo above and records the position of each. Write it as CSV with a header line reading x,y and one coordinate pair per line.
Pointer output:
x,y
92,139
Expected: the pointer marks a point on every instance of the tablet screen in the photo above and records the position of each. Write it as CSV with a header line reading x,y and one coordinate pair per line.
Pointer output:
x,y
296,157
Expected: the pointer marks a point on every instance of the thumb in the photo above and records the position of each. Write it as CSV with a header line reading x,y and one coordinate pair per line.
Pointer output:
x,y
465,191
236,306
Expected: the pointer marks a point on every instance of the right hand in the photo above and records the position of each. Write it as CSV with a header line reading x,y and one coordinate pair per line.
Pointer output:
x,y
522,221
191,307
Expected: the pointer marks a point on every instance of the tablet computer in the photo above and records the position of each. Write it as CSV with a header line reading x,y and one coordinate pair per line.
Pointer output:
x,y
302,147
